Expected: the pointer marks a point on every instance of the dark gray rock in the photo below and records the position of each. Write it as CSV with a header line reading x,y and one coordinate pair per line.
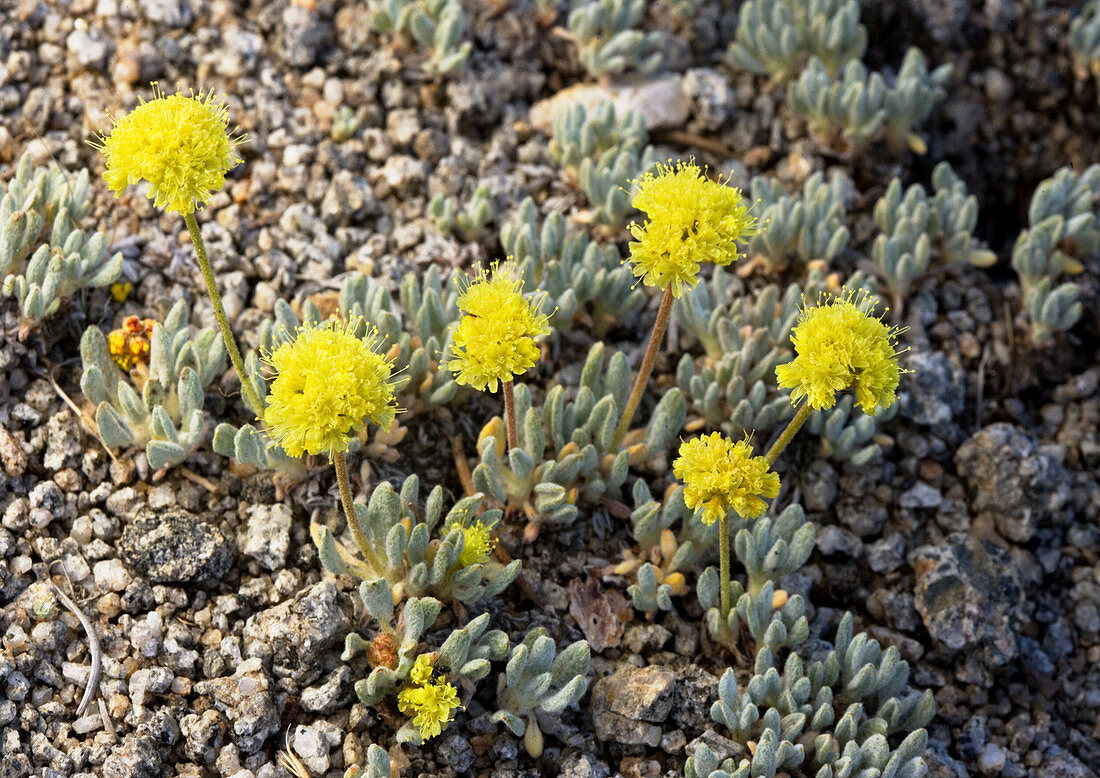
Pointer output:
x,y
934,392
1012,482
299,632
1059,763
175,546
304,36
204,735
969,594
628,705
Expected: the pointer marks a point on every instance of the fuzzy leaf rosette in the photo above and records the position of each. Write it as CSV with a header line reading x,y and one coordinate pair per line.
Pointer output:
x,y
178,143
329,383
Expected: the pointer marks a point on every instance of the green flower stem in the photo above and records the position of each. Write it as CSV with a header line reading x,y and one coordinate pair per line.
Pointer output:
x,y
341,464
788,434
724,567
640,381
248,386
507,390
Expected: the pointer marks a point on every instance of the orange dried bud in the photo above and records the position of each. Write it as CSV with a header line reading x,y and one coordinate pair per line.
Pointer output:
x,y
383,651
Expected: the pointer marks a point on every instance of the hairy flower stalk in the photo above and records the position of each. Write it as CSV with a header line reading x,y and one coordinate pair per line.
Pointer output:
x,y
181,146
496,340
691,220
329,384
839,345
722,477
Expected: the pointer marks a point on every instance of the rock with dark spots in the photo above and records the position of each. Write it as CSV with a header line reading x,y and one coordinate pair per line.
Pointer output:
x,y
1013,482
695,690
628,706
174,546
204,735
969,594
1059,763
934,392
137,756
299,632
577,765
245,699
304,36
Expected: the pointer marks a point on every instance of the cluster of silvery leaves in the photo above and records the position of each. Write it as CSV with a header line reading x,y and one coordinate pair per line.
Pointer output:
x,y
415,328
437,25
778,37
44,256
917,227
1084,40
607,38
830,718
468,220
851,110
605,152
394,545
377,765
165,414
537,678
1063,229
580,277
666,551
807,225
565,446
732,386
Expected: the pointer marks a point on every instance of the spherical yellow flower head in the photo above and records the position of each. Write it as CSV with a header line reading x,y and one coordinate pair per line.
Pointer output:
x,y
179,143
431,704
692,220
840,345
478,542
329,384
495,340
720,475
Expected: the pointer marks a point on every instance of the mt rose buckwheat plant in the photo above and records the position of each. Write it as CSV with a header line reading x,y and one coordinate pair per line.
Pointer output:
x,y
433,611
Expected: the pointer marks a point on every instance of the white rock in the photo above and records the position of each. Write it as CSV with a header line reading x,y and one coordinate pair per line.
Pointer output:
x,y
310,746
146,634
660,101
992,760
111,575
267,535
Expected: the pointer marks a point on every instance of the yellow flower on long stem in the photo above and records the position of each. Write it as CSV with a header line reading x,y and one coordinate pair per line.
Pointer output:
x,y
691,220
329,383
181,145
839,345
496,340
723,477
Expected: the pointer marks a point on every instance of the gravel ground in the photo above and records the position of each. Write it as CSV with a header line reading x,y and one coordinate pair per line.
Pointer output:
x,y
971,543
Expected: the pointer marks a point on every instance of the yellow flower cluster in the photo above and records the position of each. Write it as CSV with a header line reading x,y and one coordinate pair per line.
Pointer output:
x,y
495,340
129,344
720,475
692,220
430,703
328,384
179,143
840,345
478,542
